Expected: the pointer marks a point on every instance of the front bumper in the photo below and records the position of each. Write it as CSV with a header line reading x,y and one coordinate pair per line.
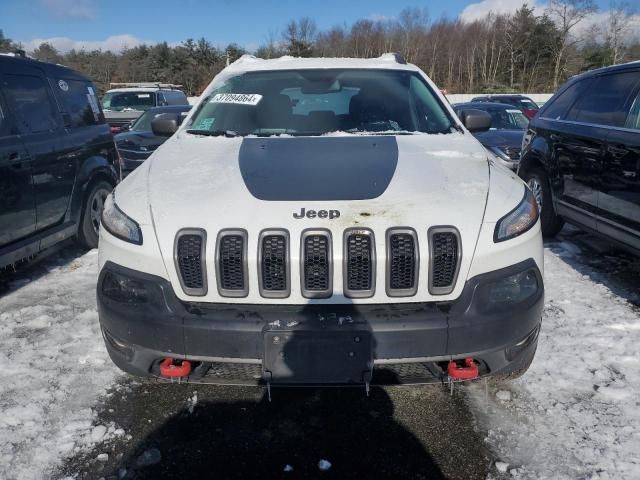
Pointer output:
x,y
237,344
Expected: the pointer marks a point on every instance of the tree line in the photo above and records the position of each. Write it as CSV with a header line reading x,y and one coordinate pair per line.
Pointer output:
x,y
527,51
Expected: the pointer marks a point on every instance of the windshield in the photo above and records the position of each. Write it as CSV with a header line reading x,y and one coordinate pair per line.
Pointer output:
x,y
507,119
317,102
120,101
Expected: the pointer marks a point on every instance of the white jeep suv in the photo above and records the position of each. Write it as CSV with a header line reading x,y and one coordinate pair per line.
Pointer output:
x,y
321,221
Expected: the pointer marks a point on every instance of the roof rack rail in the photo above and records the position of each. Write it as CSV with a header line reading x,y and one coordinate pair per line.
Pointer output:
x,y
143,85
395,56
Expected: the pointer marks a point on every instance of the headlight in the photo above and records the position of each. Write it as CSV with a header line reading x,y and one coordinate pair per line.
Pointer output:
x,y
118,224
519,220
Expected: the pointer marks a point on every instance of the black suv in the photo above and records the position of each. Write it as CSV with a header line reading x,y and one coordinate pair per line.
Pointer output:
x,y
581,155
58,160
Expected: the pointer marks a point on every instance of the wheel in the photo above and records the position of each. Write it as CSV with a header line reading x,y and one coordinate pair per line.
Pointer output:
x,y
90,219
538,182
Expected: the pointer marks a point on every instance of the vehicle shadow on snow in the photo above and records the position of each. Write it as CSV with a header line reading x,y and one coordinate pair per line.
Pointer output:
x,y
602,261
234,433
14,277
203,431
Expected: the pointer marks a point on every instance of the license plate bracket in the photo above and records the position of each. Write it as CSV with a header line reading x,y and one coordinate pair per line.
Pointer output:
x,y
318,357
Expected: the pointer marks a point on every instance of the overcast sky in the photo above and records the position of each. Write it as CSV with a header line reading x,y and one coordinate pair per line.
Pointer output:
x,y
109,24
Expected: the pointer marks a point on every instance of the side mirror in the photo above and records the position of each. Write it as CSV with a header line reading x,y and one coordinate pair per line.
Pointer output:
x,y
475,120
165,124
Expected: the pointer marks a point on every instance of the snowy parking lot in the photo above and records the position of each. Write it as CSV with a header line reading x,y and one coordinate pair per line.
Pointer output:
x,y
67,412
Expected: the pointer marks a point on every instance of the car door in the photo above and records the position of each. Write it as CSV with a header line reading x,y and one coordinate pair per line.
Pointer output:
x,y
619,197
17,202
40,124
576,150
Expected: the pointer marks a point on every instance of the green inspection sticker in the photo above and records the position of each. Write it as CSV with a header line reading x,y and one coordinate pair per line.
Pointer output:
x,y
205,123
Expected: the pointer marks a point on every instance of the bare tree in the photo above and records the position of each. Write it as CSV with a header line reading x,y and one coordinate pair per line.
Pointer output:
x,y
617,28
567,14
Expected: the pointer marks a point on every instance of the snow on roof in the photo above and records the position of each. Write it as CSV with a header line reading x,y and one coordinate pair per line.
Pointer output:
x,y
251,63
135,89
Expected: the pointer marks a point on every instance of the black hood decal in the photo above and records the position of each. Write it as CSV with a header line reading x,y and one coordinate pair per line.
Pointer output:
x,y
318,168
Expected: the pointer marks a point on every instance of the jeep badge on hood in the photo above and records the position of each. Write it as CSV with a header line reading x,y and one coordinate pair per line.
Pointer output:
x,y
330,214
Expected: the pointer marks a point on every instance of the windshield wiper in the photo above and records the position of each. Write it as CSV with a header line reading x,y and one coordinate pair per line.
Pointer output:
x,y
213,133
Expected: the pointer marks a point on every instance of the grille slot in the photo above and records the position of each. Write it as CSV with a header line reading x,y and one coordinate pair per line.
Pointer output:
x,y
231,263
444,260
273,263
359,263
402,262
189,257
316,264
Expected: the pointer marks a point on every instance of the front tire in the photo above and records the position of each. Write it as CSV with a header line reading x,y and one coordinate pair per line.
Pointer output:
x,y
89,227
538,182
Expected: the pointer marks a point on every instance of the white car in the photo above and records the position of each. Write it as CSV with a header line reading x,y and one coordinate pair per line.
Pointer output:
x,y
321,221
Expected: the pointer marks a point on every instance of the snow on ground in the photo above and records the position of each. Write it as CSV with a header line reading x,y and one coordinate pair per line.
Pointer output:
x,y
576,413
53,367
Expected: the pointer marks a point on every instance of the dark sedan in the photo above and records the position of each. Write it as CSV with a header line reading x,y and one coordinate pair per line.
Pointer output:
x,y
525,104
504,138
138,142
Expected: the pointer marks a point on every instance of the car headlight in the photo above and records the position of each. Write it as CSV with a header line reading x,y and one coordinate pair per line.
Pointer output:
x,y
118,224
519,220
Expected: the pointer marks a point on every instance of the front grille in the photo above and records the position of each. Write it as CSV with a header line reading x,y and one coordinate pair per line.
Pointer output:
x,y
231,263
402,263
445,259
189,258
316,264
359,257
274,263
512,152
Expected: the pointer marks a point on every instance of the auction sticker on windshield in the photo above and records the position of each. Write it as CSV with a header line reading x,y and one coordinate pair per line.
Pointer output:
x,y
237,98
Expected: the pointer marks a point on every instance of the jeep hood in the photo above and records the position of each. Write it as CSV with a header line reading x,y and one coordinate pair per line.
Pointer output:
x,y
375,182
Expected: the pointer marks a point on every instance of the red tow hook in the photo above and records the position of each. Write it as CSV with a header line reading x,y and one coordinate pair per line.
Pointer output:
x,y
173,368
467,372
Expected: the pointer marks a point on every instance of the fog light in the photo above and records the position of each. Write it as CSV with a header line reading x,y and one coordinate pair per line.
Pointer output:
x,y
123,289
514,288
504,293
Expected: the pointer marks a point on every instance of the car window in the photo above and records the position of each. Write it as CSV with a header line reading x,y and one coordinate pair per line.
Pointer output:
x,y
633,119
556,108
127,101
507,119
80,102
5,127
607,100
31,104
316,102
